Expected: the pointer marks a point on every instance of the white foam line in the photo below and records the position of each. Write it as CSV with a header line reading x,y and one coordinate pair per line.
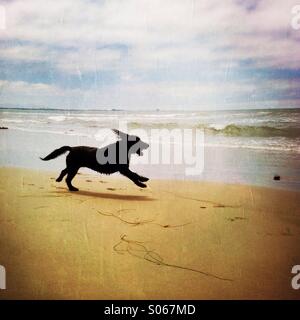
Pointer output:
x,y
51,132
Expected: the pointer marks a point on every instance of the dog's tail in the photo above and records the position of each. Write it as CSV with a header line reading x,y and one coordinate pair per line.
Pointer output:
x,y
56,153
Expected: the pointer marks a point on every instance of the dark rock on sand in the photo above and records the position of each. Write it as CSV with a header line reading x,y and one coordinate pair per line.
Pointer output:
x,y
276,177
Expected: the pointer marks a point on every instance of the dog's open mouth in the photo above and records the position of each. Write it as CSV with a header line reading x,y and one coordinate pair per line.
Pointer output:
x,y
140,150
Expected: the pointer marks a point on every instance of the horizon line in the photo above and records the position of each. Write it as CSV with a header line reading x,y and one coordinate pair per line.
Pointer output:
x,y
145,110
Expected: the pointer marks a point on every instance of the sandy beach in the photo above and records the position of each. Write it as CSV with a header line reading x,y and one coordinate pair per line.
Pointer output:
x,y
173,240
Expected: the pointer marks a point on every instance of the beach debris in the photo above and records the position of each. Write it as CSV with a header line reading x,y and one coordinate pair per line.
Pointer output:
x,y
215,204
117,216
236,218
137,222
276,177
138,250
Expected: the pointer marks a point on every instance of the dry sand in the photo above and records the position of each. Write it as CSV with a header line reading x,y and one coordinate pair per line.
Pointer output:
x,y
173,240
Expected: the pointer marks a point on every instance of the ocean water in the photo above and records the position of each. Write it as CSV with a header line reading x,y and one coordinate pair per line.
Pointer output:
x,y
241,146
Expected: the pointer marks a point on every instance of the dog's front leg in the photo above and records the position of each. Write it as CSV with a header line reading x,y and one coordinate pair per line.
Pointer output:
x,y
143,179
138,177
133,177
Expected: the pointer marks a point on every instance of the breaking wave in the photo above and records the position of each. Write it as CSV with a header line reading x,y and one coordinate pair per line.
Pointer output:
x,y
255,131
230,130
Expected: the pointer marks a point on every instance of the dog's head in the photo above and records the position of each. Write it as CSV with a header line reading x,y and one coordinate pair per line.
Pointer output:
x,y
134,143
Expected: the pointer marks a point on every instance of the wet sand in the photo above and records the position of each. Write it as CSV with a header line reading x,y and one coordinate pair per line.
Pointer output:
x,y
173,240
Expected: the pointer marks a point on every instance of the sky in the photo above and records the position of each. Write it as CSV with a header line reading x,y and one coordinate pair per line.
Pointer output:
x,y
150,54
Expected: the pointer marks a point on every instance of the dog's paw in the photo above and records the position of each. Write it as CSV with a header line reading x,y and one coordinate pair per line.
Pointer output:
x,y
143,179
73,189
140,184
58,180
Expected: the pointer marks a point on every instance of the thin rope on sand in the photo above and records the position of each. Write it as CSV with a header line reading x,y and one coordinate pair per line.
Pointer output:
x,y
215,204
137,222
139,250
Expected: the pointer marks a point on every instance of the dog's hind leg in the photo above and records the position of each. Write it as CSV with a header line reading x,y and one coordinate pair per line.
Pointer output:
x,y
62,174
71,174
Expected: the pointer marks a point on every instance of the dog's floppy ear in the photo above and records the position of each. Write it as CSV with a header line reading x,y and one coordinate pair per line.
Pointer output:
x,y
120,134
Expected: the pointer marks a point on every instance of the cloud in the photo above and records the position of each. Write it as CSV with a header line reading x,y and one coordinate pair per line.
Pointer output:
x,y
168,95
156,45
23,53
88,60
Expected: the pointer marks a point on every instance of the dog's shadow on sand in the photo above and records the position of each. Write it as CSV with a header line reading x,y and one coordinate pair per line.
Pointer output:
x,y
114,196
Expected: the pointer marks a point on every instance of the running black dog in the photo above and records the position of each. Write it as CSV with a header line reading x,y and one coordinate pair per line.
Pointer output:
x,y
110,159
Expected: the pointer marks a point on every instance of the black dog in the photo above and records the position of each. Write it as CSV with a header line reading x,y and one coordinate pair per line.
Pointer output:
x,y
110,159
